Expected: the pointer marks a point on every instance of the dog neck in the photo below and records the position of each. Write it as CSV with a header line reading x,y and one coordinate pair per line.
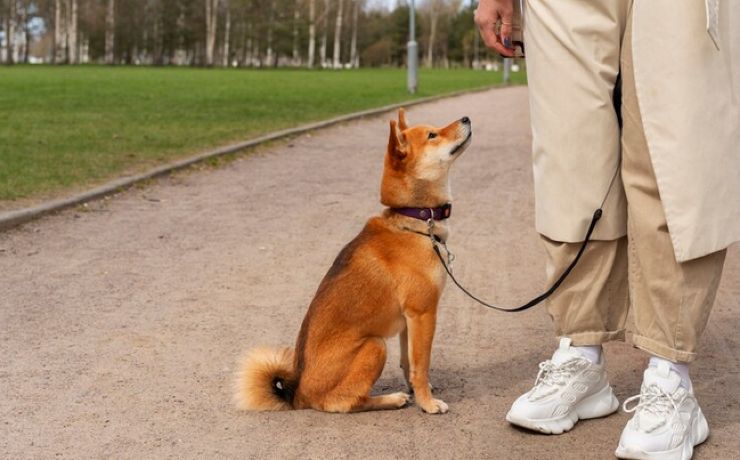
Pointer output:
x,y
415,225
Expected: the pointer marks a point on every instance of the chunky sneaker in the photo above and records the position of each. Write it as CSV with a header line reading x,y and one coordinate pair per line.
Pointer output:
x,y
568,388
668,422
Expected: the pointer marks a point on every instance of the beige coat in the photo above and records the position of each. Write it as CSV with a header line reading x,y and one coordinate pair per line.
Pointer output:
x,y
687,72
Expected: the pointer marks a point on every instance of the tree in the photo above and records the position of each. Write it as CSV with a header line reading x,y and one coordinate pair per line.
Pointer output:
x,y
211,24
227,35
296,20
354,57
10,33
59,39
110,31
72,33
434,10
311,33
271,58
337,36
324,36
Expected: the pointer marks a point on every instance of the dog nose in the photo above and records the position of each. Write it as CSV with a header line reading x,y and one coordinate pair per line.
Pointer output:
x,y
465,120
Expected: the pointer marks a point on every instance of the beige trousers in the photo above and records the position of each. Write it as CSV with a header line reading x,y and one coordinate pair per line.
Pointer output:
x,y
671,301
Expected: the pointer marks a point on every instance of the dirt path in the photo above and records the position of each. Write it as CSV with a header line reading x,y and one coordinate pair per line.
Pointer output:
x,y
121,323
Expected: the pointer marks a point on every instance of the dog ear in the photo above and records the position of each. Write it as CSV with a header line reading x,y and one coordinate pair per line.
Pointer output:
x,y
396,142
402,119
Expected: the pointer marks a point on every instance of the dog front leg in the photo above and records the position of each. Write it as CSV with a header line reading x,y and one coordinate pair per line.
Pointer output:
x,y
403,341
420,334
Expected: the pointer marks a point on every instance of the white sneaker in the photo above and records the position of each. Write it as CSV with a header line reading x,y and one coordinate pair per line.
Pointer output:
x,y
568,388
668,422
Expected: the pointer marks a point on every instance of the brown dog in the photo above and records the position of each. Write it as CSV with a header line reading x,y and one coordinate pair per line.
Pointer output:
x,y
386,281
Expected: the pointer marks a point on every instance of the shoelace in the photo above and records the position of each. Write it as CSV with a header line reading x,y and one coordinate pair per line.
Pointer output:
x,y
552,374
653,400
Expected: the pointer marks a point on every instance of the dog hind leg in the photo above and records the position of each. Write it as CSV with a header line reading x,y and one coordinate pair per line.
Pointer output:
x,y
385,402
353,392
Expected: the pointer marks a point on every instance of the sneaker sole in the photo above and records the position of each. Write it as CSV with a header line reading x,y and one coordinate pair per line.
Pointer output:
x,y
699,434
597,405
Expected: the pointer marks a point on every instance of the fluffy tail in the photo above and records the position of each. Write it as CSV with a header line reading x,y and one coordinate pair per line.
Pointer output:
x,y
266,380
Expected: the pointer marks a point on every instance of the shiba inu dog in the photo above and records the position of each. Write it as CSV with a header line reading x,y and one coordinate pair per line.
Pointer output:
x,y
386,281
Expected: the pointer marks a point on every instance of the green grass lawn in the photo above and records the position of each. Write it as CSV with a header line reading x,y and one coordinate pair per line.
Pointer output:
x,y
65,128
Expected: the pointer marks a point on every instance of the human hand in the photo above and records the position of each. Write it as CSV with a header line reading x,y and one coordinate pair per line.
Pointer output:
x,y
486,15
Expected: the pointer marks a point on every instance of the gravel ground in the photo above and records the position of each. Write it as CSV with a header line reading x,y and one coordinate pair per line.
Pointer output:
x,y
122,321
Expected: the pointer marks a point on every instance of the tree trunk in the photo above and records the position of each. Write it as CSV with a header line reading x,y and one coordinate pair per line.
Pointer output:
x,y
434,14
27,32
311,33
324,36
158,42
270,58
110,31
296,19
72,49
211,22
72,34
247,54
10,35
21,54
227,36
83,55
337,37
354,57
3,26
57,42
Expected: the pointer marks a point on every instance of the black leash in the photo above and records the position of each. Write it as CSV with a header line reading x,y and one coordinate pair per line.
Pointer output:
x,y
541,297
436,243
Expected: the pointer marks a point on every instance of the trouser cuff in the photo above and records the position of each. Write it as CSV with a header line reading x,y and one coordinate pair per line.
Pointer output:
x,y
658,349
584,339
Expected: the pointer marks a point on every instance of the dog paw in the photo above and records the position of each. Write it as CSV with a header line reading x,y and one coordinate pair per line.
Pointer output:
x,y
400,399
435,406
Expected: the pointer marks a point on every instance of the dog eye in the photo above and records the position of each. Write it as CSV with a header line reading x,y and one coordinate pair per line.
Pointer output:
x,y
432,135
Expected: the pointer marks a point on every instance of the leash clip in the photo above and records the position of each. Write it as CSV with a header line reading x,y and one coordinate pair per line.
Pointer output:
x,y
430,230
436,244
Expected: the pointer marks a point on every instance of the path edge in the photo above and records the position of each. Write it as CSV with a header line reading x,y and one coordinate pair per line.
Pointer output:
x,y
15,218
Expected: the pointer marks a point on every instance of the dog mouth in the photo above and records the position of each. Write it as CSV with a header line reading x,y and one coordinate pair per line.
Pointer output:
x,y
462,144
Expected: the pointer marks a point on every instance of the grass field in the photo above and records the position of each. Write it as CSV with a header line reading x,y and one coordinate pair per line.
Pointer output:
x,y
64,128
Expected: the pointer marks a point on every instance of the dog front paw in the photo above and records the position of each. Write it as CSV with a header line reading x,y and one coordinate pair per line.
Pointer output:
x,y
435,406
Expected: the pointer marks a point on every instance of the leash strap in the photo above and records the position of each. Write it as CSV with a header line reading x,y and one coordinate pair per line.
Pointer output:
x,y
536,300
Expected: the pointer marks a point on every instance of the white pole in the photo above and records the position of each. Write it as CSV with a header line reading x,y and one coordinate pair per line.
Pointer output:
x,y
507,70
412,51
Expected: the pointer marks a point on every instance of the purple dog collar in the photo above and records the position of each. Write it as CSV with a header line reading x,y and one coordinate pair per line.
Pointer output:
x,y
439,213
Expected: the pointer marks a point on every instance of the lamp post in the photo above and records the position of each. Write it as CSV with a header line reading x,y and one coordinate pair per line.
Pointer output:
x,y
412,52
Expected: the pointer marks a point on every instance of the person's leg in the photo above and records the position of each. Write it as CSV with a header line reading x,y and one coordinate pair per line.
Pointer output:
x,y
591,305
573,66
671,301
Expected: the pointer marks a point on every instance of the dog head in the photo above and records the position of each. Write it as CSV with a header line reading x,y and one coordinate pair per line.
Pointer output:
x,y
418,160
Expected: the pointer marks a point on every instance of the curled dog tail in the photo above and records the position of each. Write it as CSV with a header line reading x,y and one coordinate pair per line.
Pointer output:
x,y
266,380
